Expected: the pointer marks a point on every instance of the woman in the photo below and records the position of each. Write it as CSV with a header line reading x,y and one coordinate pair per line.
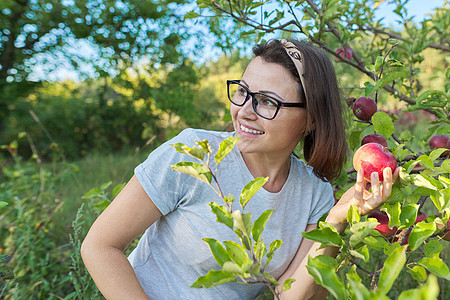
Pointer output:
x,y
287,94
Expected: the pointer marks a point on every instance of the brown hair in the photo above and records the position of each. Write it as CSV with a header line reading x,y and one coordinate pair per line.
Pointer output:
x,y
324,146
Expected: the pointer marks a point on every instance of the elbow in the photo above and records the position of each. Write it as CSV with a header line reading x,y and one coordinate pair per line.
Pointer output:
x,y
84,249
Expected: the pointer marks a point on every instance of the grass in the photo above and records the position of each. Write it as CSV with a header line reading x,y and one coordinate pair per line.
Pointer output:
x,y
89,172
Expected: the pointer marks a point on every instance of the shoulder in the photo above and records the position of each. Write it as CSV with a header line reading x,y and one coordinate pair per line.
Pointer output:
x,y
305,173
204,134
190,135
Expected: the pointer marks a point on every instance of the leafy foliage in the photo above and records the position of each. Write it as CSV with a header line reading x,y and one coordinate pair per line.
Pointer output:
x,y
245,262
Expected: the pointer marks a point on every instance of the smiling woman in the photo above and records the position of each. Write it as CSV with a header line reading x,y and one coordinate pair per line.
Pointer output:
x,y
287,94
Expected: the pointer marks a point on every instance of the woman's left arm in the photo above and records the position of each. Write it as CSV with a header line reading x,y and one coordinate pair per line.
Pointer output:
x,y
366,201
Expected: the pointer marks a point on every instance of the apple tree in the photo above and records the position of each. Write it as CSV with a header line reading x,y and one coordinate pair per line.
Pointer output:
x,y
400,240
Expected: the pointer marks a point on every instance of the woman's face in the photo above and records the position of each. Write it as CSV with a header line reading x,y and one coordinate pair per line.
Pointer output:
x,y
258,135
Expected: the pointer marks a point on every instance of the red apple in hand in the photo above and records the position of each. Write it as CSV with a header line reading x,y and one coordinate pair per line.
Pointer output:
x,y
373,157
344,52
374,138
383,219
364,108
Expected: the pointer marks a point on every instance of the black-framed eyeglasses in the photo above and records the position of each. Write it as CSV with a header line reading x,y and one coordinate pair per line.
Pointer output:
x,y
264,105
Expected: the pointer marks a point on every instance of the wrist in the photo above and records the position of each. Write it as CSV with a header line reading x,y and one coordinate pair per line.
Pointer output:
x,y
338,223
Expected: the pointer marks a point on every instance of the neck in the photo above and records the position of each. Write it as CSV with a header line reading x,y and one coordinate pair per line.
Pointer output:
x,y
277,169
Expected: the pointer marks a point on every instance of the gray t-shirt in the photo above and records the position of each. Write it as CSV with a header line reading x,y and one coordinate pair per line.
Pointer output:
x,y
171,254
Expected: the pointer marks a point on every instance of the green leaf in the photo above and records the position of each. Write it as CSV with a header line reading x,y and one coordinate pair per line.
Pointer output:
x,y
420,233
191,15
436,266
231,267
424,181
250,189
218,250
383,124
105,185
446,165
102,205
3,204
276,244
194,151
353,215
426,161
260,224
358,290
287,284
270,278
370,88
237,253
408,215
362,253
117,189
432,248
429,93
428,291
435,154
243,222
389,78
391,269
93,193
213,278
355,139
254,268
360,231
418,273
378,63
375,242
204,145
260,249
225,148
222,214
193,169
441,198
229,199
393,212
327,235
323,269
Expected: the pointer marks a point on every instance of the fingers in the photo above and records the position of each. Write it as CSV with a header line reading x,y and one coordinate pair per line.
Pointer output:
x,y
375,200
359,186
387,183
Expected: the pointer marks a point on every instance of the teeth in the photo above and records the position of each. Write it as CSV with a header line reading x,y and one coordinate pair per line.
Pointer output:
x,y
248,130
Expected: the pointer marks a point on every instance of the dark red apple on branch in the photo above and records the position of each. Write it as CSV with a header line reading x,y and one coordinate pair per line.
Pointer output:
x,y
344,52
374,138
439,141
364,108
373,157
383,219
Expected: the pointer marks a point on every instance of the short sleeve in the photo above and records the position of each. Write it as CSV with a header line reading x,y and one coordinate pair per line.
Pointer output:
x,y
324,203
164,186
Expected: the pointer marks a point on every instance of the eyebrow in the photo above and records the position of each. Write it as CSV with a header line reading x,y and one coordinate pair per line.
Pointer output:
x,y
265,92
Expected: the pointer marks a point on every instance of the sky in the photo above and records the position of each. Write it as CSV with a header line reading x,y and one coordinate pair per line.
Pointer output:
x,y
417,8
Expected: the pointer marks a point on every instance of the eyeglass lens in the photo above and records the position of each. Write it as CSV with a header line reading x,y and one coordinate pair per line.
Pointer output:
x,y
264,105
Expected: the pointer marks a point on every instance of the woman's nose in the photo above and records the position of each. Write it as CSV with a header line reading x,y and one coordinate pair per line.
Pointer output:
x,y
247,110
